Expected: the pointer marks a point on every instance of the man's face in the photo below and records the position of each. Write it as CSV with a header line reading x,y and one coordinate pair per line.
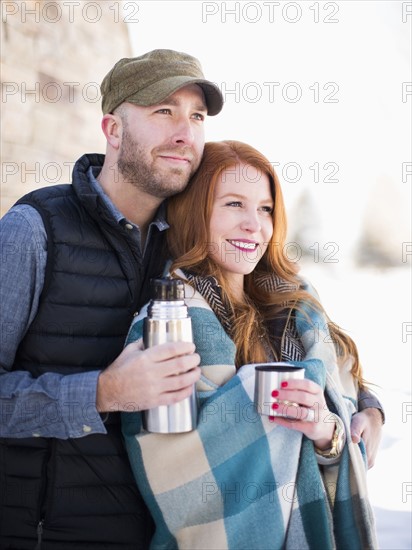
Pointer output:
x,y
162,145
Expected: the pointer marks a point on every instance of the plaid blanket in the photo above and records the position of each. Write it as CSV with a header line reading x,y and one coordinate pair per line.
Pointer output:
x,y
240,481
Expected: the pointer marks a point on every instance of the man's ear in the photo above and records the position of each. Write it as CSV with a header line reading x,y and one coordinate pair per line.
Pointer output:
x,y
112,129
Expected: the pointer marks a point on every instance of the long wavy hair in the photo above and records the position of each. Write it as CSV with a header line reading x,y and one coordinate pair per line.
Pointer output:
x,y
189,215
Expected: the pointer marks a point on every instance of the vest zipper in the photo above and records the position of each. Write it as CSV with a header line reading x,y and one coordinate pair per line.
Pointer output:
x,y
39,534
43,495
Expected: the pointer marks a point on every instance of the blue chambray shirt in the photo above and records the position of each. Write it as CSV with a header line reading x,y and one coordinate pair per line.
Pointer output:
x,y
52,405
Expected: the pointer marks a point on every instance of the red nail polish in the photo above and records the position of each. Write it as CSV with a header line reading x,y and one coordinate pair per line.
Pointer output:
x,y
275,393
275,406
271,418
284,384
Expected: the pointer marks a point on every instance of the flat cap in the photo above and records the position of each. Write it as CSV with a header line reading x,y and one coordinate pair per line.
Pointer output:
x,y
151,78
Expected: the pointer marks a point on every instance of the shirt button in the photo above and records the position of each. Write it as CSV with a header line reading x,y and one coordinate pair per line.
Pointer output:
x,y
86,429
129,226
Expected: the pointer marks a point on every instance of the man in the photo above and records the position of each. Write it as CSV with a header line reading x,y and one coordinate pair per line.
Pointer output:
x,y
77,263
75,267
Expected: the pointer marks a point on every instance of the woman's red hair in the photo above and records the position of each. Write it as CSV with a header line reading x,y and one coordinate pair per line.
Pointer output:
x,y
189,215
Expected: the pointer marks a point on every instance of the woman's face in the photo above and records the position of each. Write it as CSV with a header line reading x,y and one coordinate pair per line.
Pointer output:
x,y
241,224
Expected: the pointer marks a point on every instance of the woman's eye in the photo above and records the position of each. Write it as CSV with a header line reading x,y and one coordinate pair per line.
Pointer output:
x,y
268,209
234,203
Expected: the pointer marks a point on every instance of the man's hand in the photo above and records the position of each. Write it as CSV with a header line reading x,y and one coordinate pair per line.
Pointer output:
x,y
142,379
367,424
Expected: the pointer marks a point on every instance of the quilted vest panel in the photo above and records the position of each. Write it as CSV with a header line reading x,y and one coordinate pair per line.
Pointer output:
x,y
81,490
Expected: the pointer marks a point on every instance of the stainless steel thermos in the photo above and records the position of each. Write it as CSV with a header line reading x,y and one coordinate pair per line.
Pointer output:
x,y
168,321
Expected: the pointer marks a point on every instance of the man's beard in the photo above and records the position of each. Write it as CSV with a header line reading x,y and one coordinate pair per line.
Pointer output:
x,y
141,173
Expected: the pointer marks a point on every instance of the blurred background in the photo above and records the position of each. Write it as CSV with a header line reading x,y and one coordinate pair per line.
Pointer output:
x,y
323,89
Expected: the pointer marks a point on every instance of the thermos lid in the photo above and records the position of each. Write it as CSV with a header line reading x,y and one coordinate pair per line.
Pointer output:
x,y
168,289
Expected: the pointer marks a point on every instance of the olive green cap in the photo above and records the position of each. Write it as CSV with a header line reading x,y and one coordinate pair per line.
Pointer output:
x,y
151,78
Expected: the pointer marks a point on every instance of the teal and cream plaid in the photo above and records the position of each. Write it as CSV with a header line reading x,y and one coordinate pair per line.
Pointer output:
x,y
240,481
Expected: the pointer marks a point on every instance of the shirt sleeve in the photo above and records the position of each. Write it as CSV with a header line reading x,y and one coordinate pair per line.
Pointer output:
x,y
368,400
51,405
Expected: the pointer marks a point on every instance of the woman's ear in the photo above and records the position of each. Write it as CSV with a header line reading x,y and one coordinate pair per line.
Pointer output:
x,y
112,129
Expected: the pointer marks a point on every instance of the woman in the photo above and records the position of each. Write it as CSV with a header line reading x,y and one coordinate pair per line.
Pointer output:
x,y
242,480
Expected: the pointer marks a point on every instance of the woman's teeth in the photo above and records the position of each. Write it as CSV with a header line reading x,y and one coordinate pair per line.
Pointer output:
x,y
246,246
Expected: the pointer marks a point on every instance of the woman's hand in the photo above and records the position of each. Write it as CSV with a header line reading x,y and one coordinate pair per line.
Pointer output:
x,y
303,401
367,424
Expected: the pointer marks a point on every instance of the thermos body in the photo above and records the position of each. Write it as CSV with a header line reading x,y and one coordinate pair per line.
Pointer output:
x,y
161,331
168,321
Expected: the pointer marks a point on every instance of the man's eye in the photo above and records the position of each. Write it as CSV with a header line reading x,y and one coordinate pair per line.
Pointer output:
x,y
164,111
199,116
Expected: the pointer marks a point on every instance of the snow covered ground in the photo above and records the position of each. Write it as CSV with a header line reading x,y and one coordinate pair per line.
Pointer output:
x,y
374,306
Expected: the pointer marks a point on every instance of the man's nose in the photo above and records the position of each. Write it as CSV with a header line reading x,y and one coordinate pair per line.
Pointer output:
x,y
183,132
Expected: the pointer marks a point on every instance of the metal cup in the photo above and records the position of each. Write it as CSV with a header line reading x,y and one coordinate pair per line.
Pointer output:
x,y
269,376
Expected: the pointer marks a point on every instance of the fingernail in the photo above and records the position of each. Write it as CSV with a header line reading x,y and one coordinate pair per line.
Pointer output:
x,y
284,384
271,418
275,406
275,393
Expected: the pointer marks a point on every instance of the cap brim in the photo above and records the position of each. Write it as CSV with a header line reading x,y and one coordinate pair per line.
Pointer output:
x,y
159,91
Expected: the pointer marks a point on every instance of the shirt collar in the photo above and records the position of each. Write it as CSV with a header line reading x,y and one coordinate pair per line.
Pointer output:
x,y
160,217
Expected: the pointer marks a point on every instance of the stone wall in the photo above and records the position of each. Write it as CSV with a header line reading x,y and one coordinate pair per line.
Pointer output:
x,y
53,58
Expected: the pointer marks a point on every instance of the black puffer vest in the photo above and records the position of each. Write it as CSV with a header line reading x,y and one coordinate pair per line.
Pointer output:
x,y
78,494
